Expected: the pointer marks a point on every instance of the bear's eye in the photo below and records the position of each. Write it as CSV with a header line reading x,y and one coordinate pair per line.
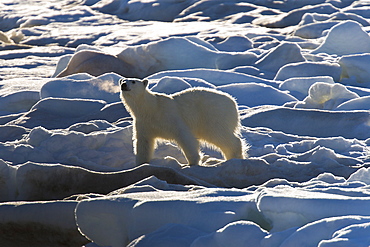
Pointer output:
x,y
133,82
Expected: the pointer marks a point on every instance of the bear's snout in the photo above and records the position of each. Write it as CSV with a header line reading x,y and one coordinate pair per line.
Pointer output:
x,y
124,87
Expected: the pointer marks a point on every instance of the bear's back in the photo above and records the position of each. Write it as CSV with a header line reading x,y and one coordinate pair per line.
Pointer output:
x,y
206,109
204,97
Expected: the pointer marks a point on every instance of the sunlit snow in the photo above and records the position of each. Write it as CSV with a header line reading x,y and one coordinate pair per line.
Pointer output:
x,y
299,73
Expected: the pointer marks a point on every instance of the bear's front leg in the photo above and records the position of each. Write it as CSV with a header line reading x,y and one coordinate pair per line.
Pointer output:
x,y
144,147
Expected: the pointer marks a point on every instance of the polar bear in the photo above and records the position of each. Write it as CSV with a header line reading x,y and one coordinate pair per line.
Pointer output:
x,y
188,117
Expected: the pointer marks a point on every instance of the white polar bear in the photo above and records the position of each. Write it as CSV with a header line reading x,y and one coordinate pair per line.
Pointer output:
x,y
186,117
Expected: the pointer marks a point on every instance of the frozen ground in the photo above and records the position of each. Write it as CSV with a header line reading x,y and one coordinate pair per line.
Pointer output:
x,y
300,74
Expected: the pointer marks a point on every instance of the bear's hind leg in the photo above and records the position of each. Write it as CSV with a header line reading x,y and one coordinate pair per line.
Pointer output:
x,y
190,146
231,146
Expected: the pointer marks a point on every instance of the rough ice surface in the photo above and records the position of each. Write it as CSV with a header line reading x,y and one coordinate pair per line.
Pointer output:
x,y
309,69
258,215
326,96
298,72
299,86
338,41
355,66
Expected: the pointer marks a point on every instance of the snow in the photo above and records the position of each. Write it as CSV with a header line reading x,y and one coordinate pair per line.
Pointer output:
x,y
284,53
319,123
234,44
255,94
84,86
326,96
167,55
37,219
298,72
337,41
355,66
173,84
299,86
322,208
309,69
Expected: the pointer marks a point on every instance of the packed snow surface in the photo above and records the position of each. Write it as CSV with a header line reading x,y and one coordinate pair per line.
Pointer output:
x,y
299,73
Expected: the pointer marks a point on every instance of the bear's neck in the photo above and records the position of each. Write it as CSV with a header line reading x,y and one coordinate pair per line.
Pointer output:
x,y
136,104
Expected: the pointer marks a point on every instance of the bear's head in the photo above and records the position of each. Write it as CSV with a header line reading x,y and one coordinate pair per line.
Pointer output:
x,y
132,85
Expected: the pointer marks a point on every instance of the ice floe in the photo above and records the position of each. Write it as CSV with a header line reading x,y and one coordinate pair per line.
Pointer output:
x,y
299,74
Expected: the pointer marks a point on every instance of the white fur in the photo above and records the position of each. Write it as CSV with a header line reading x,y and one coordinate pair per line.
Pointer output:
x,y
186,117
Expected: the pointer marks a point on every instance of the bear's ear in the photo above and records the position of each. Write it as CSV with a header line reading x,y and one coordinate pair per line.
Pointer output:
x,y
120,81
146,82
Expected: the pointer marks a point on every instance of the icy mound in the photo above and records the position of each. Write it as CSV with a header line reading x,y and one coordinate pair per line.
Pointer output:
x,y
180,207
210,10
234,44
35,220
356,66
92,62
172,84
254,94
58,113
362,103
338,41
310,122
179,53
326,96
279,56
18,102
309,69
299,86
84,86
142,10
287,210
88,150
294,16
146,59
213,76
